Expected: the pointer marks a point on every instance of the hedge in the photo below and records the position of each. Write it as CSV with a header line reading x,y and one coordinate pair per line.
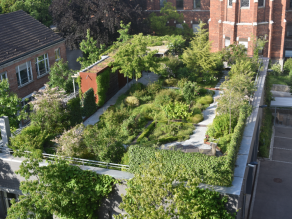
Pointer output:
x,y
211,169
102,81
146,131
75,113
89,103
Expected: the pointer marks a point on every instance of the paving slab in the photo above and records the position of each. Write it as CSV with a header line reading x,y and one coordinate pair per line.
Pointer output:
x,y
280,142
282,154
283,132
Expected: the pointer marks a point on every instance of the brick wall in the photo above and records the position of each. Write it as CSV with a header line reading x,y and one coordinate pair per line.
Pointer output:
x,y
36,83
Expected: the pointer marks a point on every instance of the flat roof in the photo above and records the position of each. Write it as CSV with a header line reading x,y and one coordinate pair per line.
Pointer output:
x,y
282,102
161,49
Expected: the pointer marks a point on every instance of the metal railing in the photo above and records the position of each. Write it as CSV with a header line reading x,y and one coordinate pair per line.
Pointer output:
x,y
78,161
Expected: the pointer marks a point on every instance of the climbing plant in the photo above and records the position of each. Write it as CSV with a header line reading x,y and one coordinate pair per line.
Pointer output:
x,y
102,81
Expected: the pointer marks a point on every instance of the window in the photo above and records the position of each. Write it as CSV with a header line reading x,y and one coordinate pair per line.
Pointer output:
x,y
227,41
3,76
23,73
290,3
197,3
289,30
179,4
196,28
243,42
244,3
179,26
57,54
162,3
230,3
261,3
42,64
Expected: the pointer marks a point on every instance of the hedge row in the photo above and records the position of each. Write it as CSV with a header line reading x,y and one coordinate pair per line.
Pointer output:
x,y
146,131
75,111
212,170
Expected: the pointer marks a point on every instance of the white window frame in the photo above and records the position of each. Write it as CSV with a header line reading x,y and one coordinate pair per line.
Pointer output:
x,y
47,64
226,39
245,7
57,53
29,72
1,75
263,5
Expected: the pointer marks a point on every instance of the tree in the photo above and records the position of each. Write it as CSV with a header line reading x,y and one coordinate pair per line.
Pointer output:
x,y
36,8
74,17
60,189
198,57
60,76
133,57
10,105
158,24
91,53
49,110
155,194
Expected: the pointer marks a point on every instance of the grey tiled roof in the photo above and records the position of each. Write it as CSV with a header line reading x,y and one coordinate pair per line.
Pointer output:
x,y
21,34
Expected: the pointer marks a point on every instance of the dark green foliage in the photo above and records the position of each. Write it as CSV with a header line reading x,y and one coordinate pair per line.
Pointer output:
x,y
190,91
153,88
288,66
212,170
136,87
89,103
146,131
102,81
75,112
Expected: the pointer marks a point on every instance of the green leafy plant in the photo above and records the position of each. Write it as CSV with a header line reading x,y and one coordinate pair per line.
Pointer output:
x,y
277,69
190,91
177,110
89,105
288,66
102,81
132,101
74,111
61,189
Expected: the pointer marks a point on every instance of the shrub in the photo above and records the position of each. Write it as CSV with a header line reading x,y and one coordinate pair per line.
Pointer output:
x,y
171,82
223,142
146,131
184,73
104,142
166,96
181,83
205,100
115,115
132,101
89,103
30,138
288,66
136,87
196,118
276,68
71,144
154,88
75,113
190,91
177,110
221,126
102,81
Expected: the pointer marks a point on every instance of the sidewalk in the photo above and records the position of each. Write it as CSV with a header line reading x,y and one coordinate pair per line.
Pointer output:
x,y
145,79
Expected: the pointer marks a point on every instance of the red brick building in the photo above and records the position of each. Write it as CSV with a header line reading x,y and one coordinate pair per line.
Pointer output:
x,y
27,50
239,20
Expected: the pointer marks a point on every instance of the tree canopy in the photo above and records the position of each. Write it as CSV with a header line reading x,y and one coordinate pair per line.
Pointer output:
x,y
133,57
61,189
74,17
39,9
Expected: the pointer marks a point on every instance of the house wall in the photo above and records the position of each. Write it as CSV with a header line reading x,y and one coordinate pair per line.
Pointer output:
x,y
37,82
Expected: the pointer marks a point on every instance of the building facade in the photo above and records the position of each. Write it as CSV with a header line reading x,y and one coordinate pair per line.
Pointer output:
x,y
28,49
240,21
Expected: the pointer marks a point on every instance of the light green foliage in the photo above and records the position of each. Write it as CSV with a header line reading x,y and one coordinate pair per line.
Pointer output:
x,y
247,67
182,82
60,189
190,91
124,32
206,100
258,44
196,118
132,101
235,91
71,144
288,66
60,76
167,13
49,110
146,132
36,8
198,57
224,142
91,52
154,88
10,105
90,106
133,57
171,82
104,142
166,96
176,110
164,199
233,53
30,138
102,81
